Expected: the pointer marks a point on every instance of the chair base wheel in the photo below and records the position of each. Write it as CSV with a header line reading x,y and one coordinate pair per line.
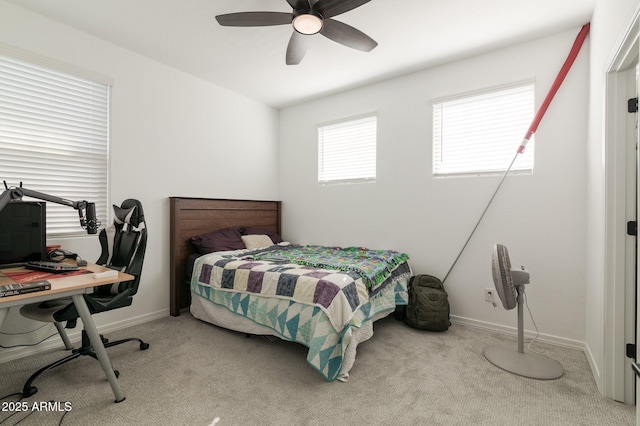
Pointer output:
x,y
29,391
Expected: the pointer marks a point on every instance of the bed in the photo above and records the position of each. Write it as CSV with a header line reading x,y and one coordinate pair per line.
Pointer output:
x,y
325,298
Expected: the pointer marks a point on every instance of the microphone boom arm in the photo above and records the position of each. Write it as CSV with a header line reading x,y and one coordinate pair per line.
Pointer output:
x,y
86,210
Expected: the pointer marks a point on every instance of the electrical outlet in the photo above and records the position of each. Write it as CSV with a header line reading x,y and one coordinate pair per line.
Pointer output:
x,y
488,295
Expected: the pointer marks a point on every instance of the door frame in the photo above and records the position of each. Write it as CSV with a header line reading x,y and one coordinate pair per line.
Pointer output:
x,y
616,241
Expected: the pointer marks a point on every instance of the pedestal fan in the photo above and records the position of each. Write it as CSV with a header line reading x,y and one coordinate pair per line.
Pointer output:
x,y
509,285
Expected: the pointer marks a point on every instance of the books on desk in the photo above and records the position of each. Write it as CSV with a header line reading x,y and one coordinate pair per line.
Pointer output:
x,y
22,288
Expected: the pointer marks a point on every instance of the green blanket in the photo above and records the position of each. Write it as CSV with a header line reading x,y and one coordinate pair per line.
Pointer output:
x,y
374,266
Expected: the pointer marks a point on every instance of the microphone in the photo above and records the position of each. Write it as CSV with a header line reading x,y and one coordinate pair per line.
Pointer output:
x,y
92,223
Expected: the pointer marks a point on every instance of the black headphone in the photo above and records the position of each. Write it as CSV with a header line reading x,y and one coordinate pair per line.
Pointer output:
x,y
58,255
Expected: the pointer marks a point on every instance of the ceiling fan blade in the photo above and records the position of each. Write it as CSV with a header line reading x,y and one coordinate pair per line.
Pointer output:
x,y
329,8
254,19
297,48
347,35
299,4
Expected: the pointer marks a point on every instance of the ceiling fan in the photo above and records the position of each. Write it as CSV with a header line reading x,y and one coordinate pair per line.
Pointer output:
x,y
308,17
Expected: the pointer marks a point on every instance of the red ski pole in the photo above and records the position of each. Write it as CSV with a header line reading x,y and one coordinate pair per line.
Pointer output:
x,y
575,49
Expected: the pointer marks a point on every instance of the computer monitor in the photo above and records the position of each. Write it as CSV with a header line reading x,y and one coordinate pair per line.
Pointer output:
x,y
23,232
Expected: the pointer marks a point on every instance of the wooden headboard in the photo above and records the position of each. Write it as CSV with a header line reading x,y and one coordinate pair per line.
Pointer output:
x,y
194,216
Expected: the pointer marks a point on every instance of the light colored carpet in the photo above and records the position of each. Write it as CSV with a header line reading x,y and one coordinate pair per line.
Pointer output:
x,y
195,372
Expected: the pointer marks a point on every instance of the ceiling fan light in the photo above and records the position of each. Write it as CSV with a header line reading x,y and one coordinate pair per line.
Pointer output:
x,y
307,23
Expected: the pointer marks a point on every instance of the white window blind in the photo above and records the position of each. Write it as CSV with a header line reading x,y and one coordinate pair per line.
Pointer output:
x,y
347,150
54,133
481,133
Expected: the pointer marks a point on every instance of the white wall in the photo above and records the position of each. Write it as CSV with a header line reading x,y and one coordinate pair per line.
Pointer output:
x,y
540,217
171,135
610,19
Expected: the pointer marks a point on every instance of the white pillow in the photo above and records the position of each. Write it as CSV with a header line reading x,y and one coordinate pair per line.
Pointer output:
x,y
256,241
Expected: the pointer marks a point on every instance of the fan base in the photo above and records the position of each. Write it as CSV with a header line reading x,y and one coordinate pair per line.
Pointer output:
x,y
533,366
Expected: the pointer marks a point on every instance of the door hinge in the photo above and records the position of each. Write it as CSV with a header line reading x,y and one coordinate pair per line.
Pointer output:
x,y
632,105
631,350
632,227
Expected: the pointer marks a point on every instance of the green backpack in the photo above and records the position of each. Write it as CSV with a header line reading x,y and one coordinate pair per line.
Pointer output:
x,y
428,307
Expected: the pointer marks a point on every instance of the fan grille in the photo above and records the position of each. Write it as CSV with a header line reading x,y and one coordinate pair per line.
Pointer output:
x,y
502,279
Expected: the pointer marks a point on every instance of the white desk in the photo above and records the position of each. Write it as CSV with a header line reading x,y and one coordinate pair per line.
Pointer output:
x,y
74,287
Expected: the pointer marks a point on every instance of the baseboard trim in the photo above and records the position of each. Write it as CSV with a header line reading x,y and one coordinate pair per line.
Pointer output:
x,y
75,336
512,331
130,322
594,368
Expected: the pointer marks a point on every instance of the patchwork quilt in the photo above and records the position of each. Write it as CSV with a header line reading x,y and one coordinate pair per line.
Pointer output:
x,y
308,294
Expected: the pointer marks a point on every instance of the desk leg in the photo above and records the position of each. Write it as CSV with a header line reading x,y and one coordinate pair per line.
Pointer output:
x,y
98,347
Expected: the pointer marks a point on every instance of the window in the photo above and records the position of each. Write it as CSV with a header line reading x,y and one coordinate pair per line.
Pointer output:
x,y
54,133
347,151
481,133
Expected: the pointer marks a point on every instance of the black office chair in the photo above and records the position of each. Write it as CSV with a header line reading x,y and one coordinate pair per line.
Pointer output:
x,y
123,248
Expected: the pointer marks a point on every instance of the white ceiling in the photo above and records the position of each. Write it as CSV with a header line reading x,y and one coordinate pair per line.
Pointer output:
x,y
411,35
